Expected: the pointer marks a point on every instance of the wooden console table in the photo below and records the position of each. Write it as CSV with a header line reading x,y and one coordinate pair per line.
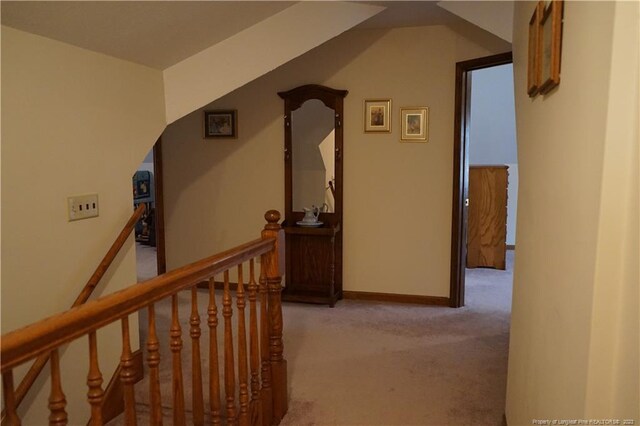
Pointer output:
x,y
311,269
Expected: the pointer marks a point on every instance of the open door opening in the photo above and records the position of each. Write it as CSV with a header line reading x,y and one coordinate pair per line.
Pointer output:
x,y
149,230
461,201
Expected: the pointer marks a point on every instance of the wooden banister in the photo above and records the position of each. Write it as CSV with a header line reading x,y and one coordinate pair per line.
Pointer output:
x,y
273,265
268,402
35,370
41,337
214,370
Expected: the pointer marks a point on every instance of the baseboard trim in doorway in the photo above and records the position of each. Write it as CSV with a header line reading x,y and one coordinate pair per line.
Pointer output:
x,y
397,298
504,420
511,246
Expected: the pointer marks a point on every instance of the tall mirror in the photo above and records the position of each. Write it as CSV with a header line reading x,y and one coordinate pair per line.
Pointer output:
x,y
313,161
313,157
313,152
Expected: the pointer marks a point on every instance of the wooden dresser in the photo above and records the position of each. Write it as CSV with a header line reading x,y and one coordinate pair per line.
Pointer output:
x,y
487,216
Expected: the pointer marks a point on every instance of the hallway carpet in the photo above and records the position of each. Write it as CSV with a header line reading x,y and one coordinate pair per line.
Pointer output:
x,y
146,262
367,363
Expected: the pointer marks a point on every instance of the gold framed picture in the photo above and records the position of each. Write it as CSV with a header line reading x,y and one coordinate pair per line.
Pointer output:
x,y
377,115
414,124
533,70
550,29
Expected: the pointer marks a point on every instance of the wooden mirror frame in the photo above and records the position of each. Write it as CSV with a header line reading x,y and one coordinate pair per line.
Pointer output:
x,y
332,99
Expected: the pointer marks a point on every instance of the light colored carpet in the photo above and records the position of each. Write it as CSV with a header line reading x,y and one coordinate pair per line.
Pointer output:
x,y
146,262
364,363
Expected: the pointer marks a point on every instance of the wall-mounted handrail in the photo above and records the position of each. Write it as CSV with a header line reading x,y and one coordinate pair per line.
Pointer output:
x,y
35,370
109,257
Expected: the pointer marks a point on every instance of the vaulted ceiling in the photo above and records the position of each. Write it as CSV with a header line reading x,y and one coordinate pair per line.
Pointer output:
x,y
153,33
160,34
206,49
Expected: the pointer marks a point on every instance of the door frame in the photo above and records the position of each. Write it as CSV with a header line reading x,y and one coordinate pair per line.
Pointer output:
x,y
159,207
461,169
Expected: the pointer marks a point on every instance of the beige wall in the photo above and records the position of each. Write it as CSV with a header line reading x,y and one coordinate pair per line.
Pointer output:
x,y
613,387
397,197
574,332
74,122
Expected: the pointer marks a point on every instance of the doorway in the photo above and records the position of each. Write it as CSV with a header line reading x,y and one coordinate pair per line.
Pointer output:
x,y
462,140
149,230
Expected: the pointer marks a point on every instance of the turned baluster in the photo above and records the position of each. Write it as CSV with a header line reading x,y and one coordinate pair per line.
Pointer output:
x,y
271,266
94,382
265,362
57,400
127,375
254,348
243,418
153,360
214,371
229,369
176,347
196,368
10,399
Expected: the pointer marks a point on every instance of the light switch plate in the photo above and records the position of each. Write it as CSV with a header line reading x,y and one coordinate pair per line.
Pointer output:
x,y
82,206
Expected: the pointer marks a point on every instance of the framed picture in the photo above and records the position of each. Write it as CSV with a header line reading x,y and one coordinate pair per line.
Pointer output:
x,y
533,70
142,185
377,116
415,124
550,29
221,124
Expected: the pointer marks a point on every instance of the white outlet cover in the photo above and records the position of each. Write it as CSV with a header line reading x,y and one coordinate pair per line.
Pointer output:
x,y
82,206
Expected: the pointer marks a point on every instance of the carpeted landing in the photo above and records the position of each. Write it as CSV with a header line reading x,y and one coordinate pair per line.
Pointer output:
x,y
365,363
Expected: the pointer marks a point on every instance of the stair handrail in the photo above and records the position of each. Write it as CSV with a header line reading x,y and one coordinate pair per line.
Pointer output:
x,y
269,396
42,337
31,376
110,256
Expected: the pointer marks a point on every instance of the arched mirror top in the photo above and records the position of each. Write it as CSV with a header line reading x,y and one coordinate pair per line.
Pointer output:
x,y
296,97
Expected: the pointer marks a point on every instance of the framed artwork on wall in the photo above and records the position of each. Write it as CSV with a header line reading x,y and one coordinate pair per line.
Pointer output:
x,y
414,124
221,124
550,29
533,64
377,115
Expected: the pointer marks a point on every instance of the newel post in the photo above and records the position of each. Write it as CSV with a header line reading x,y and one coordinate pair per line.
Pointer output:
x,y
273,265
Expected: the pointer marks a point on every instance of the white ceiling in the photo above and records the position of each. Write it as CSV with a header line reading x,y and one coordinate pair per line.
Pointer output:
x,y
153,33
493,16
409,14
162,33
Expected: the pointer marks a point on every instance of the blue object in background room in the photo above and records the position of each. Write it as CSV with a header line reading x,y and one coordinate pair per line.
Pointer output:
x,y
144,192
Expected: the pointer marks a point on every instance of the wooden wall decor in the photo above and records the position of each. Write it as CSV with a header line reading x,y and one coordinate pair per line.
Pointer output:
x,y
550,52
535,41
545,47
